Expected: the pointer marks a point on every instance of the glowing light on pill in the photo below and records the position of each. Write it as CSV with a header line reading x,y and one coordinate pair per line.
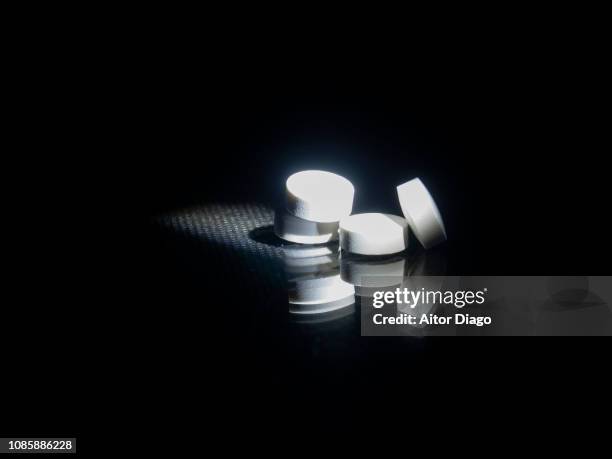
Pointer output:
x,y
319,196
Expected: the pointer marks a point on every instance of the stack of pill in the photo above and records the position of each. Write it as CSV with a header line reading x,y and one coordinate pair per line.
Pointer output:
x,y
315,201
318,206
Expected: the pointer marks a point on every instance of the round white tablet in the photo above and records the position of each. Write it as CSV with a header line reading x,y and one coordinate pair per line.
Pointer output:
x,y
422,214
294,229
373,234
319,196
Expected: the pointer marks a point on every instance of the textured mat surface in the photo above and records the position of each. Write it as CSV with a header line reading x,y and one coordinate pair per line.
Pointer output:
x,y
230,242
235,227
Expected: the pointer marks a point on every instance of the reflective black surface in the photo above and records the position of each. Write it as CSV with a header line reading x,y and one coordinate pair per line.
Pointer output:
x,y
316,284
275,320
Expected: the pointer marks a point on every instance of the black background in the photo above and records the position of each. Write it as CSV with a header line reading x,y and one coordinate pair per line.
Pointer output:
x,y
508,134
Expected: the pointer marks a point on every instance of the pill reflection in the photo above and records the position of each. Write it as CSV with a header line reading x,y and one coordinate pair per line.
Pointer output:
x,y
314,285
372,274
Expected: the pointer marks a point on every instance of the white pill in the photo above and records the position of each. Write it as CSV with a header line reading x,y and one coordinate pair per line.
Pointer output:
x,y
422,214
319,196
294,229
373,234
